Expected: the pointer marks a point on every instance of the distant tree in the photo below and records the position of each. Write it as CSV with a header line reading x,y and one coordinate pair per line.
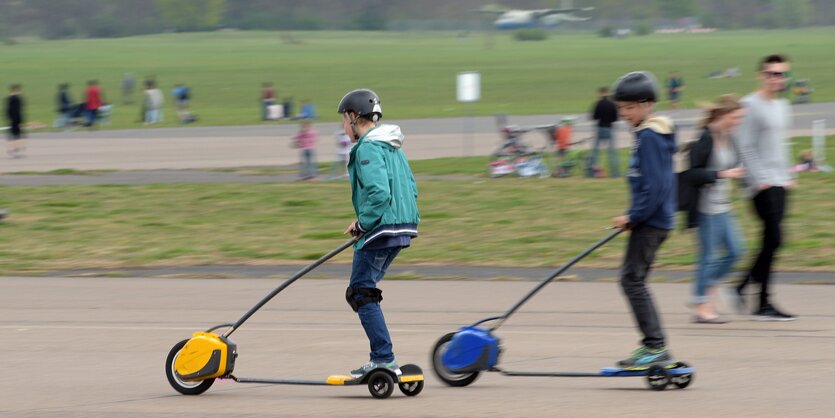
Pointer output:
x,y
191,15
677,8
792,13
606,31
371,14
643,28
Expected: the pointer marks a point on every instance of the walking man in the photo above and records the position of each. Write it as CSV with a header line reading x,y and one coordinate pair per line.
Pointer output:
x,y
763,146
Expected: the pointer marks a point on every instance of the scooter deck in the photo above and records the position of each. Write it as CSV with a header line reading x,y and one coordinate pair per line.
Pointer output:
x,y
674,369
410,373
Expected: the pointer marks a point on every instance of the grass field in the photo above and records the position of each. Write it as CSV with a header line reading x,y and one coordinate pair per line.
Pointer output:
x,y
469,220
413,72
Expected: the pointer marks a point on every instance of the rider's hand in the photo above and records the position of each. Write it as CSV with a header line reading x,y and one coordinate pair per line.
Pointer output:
x,y
354,229
621,222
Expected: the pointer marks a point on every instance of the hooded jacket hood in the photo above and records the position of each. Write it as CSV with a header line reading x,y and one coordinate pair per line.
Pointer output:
x,y
652,183
664,127
390,134
661,124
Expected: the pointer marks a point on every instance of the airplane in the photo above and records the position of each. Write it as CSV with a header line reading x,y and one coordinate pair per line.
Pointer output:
x,y
516,19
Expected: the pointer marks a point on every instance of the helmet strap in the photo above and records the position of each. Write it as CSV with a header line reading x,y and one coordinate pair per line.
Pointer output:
x,y
353,123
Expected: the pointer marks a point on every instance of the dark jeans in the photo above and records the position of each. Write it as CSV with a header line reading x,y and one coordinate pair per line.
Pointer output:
x,y
770,205
15,131
90,117
368,269
644,242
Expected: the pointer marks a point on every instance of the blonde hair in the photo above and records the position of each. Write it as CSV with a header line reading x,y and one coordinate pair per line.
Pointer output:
x,y
727,103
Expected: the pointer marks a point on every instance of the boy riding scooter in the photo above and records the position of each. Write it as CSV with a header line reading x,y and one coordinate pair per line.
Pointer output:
x,y
384,196
650,216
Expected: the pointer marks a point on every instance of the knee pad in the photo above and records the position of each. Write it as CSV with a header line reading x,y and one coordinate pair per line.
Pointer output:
x,y
361,296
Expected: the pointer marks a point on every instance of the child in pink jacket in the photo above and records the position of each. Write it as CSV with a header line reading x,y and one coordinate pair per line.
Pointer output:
x,y
305,140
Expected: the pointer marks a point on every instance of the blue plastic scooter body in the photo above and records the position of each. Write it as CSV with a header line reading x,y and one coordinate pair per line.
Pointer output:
x,y
472,349
618,372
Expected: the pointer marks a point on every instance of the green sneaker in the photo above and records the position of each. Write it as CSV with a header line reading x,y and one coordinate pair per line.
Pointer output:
x,y
371,366
644,357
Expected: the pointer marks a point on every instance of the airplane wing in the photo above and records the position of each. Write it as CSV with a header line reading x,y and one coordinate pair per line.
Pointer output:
x,y
548,12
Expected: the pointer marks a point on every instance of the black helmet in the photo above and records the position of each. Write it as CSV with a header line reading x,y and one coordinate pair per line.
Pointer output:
x,y
365,103
637,86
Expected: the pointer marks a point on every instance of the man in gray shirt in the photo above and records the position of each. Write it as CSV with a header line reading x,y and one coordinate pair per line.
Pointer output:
x,y
763,146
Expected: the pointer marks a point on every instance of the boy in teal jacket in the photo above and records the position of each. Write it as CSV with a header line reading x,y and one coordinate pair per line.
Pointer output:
x,y
384,195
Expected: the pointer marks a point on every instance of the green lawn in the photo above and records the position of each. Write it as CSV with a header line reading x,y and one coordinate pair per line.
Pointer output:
x,y
469,219
413,72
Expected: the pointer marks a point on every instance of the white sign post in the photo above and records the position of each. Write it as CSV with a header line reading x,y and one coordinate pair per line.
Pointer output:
x,y
468,90
819,141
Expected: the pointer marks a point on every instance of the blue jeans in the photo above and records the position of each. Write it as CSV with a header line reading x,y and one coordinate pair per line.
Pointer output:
x,y
368,269
715,232
90,116
604,135
309,168
153,116
64,120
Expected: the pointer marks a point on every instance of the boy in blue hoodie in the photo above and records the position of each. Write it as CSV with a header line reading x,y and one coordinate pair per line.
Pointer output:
x,y
384,195
650,217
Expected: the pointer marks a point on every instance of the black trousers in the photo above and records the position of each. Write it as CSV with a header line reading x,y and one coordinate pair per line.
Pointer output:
x,y
770,205
15,131
644,242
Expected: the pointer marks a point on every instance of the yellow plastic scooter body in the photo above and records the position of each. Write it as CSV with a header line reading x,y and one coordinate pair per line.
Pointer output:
x,y
411,373
205,356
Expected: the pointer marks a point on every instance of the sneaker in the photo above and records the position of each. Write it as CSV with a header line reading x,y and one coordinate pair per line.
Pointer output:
x,y
698,319
370,366
770,313
737,300
643,357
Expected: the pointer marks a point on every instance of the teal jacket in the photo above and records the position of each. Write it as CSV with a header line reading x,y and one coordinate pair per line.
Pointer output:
x,y
383,188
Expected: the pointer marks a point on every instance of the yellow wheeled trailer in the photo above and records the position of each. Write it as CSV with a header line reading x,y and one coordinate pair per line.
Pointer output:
x,y
193,365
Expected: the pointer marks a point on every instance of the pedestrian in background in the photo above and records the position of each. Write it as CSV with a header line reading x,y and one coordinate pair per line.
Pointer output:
x,y
305,141
92,102
605,113
763,145
14,114
714,162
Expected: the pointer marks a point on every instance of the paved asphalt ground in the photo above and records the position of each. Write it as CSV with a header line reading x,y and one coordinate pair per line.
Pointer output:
x,y
95,347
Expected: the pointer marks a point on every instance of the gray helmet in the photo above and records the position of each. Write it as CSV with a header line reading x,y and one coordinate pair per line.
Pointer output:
x,y
637,86
365,103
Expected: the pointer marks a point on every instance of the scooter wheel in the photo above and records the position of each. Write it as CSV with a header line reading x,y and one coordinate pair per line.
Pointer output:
x,y
411,388
380,384
684,380
657,378
184,387
447,376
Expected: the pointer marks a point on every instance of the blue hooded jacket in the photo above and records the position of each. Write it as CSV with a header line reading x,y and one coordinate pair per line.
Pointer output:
x,y
652,182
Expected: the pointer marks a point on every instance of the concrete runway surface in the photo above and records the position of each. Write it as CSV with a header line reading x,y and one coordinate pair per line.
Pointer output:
x,y
95,347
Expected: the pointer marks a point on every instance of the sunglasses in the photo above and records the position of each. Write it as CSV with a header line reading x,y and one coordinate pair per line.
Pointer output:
x,y
776,74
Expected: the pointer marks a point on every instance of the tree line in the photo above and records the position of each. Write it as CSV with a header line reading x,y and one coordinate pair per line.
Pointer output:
x,y
53,19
